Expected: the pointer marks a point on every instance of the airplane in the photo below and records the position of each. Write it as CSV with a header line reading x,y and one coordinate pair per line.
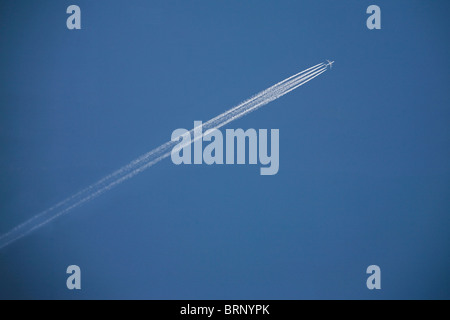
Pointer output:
x,y
330,63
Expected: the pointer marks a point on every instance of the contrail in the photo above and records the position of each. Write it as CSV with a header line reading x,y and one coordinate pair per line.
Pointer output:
x,y
154,156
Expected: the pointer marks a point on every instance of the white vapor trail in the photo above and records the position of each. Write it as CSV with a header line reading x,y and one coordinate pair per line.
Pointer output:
x,y
147,160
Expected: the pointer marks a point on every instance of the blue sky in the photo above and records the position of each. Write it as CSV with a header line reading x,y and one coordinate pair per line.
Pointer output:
x,y
364,149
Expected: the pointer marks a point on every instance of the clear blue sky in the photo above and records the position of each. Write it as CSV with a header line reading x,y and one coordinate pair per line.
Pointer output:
x,y
364,149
